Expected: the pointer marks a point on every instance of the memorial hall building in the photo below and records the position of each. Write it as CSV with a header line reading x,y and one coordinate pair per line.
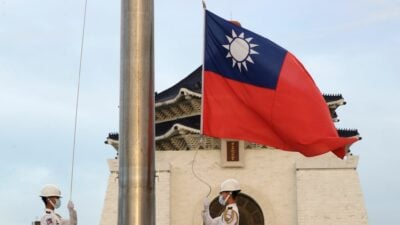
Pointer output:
x,y
278,187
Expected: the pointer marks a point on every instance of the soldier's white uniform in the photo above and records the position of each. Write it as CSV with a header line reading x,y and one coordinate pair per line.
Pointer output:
x,y
230,216
52,218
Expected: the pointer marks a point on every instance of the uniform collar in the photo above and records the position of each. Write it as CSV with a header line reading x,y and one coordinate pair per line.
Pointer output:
x,y
231,205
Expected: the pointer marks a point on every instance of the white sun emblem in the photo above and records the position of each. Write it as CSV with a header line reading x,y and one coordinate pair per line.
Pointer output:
x,y
240,49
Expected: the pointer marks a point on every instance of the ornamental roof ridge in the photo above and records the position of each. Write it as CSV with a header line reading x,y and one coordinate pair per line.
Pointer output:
x,y
191,82
334,99
113,140
182,92
332,95
177,127
348,132
113,136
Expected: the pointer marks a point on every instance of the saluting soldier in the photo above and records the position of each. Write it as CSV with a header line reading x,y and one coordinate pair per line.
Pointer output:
x,y
51,196
230,188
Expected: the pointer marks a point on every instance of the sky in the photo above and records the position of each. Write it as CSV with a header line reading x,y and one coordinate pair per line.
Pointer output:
x,y
349,47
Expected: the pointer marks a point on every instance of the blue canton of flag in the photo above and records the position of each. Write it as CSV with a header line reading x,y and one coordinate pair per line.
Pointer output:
x,y
240,54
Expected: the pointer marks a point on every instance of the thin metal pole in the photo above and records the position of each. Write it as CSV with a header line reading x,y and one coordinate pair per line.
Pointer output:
x,y
202,66
136,201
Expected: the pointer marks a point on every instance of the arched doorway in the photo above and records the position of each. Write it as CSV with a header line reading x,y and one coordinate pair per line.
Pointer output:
x,y
250,212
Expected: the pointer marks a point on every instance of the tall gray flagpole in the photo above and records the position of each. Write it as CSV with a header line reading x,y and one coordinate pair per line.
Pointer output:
x,y
136,202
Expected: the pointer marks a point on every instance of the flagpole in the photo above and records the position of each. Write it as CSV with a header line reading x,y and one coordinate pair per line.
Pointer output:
x,y
136,200
202,69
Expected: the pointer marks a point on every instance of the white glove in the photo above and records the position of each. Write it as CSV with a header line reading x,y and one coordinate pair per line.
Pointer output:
x,y
206,204
73,218
70,205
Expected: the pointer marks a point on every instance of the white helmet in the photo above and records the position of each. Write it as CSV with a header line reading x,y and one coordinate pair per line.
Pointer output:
x,y
230,185
50,190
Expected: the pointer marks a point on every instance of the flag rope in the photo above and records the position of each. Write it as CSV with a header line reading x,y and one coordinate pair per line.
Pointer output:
x,y
77,100
193,171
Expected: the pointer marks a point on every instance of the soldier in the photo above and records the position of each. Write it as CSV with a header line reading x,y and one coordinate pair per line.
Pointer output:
x,y
227,197
51,196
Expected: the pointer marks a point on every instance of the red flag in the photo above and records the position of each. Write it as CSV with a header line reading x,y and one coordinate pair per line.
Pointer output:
x,y
255,90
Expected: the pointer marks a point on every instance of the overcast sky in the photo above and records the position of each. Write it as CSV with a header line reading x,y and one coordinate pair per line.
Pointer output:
x,y
349,47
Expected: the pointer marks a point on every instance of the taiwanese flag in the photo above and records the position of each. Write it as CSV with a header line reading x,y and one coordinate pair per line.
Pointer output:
x,y
255,90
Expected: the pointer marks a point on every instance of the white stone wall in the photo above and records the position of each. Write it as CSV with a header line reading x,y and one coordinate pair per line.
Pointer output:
x,y
110,208
163,194
329,193
279,181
